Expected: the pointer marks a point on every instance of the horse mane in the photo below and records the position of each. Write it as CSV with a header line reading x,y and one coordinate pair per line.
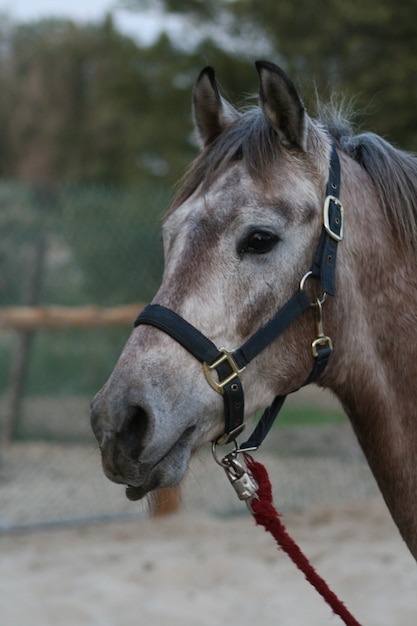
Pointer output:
x,y
393,171
251,139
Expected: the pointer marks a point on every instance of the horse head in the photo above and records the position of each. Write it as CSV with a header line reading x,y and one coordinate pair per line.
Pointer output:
x,y
241,233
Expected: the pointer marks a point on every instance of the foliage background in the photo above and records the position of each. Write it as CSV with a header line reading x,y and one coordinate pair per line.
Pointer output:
x,y
87,104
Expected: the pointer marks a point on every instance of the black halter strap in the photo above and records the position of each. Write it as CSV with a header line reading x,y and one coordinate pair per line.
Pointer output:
x,y
324,264
228,365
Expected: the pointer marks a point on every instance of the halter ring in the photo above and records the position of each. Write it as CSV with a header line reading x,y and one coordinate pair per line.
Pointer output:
x,y
302,288
225,461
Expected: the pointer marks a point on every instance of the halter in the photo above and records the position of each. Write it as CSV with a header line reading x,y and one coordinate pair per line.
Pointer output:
x,y
229,365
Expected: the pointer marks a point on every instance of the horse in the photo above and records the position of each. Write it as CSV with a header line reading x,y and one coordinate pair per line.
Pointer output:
x,y
240,239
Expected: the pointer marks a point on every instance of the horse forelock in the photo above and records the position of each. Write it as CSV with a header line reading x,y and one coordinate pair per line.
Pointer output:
x,y
250,140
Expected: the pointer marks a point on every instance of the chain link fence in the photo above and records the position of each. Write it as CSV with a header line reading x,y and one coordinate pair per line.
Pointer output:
x,y
72,246
68,246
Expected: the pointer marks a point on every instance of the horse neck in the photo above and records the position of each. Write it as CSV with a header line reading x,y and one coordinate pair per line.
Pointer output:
x,y
374,363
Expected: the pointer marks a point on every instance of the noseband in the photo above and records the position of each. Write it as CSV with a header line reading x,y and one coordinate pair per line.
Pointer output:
x,y
229,365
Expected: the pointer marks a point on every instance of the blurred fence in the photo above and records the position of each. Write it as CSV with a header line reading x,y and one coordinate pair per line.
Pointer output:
x,y
71,258
85,251
70,246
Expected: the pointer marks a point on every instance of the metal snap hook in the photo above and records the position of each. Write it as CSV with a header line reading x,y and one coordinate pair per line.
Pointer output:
x,y
322,340
240,478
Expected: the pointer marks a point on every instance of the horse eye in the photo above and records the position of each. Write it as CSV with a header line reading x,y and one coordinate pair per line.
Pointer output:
x,y
259,242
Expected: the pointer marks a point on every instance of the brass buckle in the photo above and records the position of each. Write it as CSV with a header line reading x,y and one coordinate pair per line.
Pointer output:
x,y
321,342
208,369
326,218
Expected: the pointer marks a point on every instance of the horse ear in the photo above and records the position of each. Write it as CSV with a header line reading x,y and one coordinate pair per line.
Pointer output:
x,y
281,105
212,114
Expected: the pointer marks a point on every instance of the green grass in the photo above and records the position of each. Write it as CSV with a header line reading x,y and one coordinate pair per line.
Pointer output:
x,y
308,416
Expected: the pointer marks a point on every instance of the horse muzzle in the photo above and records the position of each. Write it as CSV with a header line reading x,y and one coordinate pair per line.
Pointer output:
x,y
135,449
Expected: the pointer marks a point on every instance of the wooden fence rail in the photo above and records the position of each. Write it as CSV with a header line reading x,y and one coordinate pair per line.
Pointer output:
x,y
31,318
27,320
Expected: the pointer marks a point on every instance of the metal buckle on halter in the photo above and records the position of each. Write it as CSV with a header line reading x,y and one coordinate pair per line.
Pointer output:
x,y
208,369
336,236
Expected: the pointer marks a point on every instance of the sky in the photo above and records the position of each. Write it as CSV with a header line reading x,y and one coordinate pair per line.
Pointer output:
x,y
143,26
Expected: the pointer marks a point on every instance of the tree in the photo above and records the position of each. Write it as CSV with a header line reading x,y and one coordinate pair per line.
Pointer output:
x,y
62,122
87,104
363,50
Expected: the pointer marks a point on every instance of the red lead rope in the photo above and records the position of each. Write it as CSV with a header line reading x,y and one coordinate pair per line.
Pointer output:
x,y
266,515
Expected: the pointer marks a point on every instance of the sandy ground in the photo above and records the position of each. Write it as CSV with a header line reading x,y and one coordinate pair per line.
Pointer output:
x,y
208,565
193,568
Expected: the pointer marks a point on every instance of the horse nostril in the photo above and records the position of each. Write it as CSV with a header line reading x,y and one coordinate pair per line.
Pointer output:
x,y
134,431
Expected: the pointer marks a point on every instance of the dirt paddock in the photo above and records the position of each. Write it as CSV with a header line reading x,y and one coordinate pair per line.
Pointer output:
x,y
194,568
208,565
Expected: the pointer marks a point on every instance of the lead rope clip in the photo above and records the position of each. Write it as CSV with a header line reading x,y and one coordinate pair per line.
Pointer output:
x,y
239,477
